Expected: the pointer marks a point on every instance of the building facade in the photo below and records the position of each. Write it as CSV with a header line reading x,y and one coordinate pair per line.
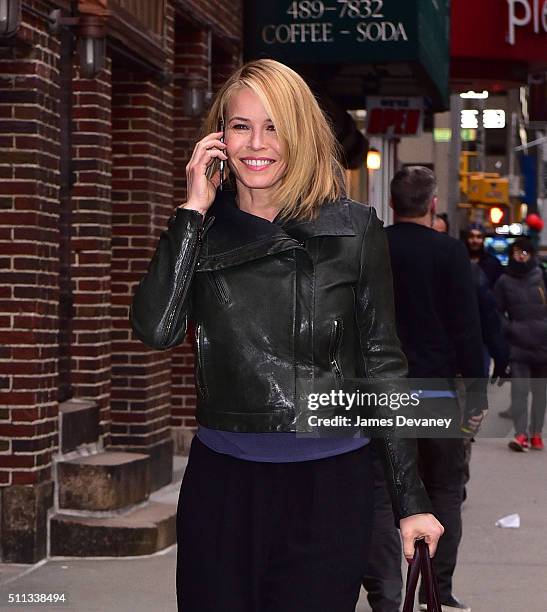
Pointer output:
x,y
91,168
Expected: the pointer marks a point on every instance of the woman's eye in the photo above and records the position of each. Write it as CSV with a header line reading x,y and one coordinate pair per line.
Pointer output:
x,y
271,128
239,126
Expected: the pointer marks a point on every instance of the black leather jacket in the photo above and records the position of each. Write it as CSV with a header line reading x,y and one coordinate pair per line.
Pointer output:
x,y
273,303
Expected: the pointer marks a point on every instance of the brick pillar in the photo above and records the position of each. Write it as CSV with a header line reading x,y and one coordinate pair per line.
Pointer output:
x,y
91,242
142,197
29,239
191,60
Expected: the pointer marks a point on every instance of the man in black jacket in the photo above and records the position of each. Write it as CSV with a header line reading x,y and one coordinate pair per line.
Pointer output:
x,y
439,328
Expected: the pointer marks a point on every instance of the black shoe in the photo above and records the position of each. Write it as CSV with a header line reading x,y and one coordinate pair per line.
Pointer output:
x,y
451,604
505,414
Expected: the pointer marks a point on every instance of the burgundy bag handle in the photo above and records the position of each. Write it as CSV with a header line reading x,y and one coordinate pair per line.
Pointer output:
x,y
421,563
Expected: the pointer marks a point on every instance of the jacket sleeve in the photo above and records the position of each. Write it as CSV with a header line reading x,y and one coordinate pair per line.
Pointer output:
x,y
161,302
386,364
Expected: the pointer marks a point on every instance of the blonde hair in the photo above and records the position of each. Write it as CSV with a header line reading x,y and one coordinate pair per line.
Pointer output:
x,y
313,174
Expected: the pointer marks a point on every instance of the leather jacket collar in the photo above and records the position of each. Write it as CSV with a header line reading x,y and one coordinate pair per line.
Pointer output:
x,y
236,236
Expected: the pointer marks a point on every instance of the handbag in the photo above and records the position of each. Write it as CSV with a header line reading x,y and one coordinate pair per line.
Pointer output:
x,y
421,564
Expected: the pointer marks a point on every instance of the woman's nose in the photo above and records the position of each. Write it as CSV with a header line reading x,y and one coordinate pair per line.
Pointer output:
x,y
257,139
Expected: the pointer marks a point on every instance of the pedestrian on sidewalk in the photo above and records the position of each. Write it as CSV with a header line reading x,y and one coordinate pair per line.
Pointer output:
x,y
521,298
285,280
488,263
439,328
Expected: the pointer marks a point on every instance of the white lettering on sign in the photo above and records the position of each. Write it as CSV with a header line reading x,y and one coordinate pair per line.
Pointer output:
x,y
469,119
306,25
297,33
384,31
529,11
492,118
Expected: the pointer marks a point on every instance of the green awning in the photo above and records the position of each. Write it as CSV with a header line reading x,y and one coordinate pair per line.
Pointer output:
x,y
396,47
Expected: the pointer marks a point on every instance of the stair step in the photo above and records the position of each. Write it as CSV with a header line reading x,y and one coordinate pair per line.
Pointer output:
x,y
79,424
105,481
142,531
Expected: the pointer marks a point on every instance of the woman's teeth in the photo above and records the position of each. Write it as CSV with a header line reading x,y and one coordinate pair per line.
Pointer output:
x,y
257,162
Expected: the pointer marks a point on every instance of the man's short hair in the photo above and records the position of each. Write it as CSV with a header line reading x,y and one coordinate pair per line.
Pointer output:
x,y
412,189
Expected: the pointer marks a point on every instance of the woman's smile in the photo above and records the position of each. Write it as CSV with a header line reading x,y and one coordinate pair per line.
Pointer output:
x,y
257,164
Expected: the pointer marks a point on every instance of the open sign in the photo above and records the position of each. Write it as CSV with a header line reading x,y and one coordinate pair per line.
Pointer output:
x,y
394,116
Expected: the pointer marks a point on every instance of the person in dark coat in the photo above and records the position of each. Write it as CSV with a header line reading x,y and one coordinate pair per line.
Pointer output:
x,y
492,329
489,264
521,297
438,323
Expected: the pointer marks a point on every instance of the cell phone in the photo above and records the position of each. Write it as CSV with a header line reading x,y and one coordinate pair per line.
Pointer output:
x,y
222,162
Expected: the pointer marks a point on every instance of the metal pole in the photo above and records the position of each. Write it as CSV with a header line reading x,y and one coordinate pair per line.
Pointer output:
x,y
456,105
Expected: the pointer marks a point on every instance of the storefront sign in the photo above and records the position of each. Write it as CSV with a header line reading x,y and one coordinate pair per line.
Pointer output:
x,y
522,13
413,33
329,26
496,43
394,116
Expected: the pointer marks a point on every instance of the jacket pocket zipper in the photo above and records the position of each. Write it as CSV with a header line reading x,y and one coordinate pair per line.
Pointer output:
x,y
335,340
219,287
202,389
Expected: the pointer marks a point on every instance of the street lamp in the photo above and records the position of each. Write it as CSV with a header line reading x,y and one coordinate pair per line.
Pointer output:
x,y
374,159
90,29
91,32
193,95
374,162
10,17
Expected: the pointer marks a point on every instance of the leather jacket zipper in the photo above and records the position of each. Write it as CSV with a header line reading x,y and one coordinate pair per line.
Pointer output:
x,y
335,340
200,362
219,287
191,264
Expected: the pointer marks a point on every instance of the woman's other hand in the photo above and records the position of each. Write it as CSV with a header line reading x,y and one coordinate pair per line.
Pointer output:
x,y
420,526
201,190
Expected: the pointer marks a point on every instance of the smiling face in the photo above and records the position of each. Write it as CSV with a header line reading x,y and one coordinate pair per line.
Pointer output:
x,y
255,153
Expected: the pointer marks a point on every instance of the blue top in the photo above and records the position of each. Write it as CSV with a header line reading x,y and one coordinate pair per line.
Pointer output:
x,y
276,447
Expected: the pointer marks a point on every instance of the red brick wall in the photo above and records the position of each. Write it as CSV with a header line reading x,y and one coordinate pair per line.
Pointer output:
x,y
142,201
29,239
130,144
91,241
191,58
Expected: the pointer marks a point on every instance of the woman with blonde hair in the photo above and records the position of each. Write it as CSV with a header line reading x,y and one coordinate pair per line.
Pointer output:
x,y
286,282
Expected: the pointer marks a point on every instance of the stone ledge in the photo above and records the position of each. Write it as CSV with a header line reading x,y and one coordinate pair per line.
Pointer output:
x,y
144,531
105,481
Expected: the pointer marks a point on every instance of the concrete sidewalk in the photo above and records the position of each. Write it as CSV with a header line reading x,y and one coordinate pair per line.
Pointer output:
x,y
499,570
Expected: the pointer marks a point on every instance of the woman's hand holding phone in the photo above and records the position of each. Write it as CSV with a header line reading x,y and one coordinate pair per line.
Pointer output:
x,y
201,190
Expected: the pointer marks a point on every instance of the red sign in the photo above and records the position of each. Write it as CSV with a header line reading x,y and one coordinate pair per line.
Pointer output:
x,y
394,116
497,42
